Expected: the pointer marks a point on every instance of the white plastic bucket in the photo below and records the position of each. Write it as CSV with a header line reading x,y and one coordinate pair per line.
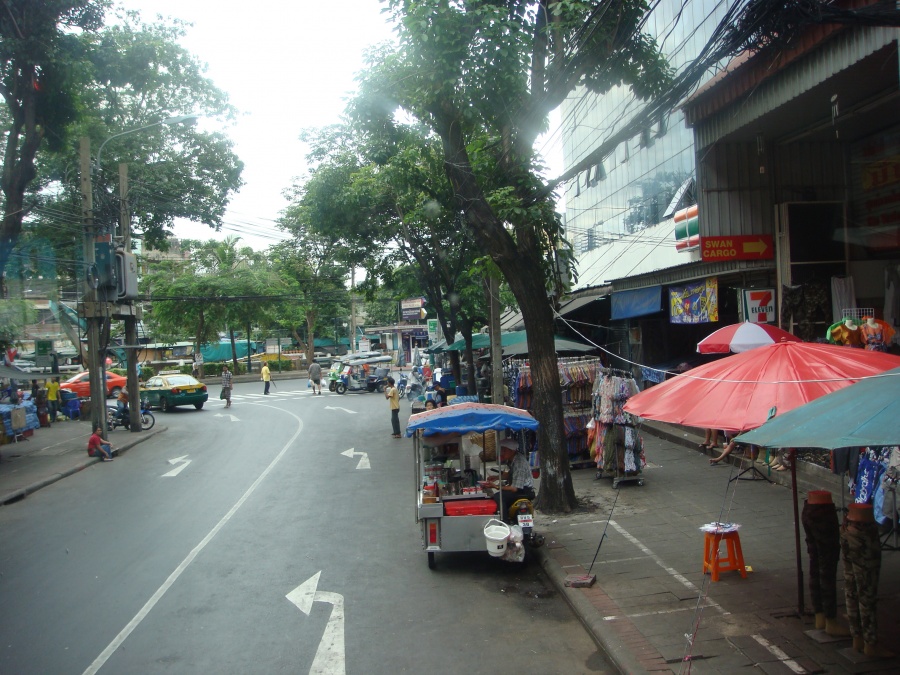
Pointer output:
x,y
496,533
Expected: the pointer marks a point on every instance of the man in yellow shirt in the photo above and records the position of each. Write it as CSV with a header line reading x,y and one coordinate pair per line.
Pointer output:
x,y
392,394
266,376
53,398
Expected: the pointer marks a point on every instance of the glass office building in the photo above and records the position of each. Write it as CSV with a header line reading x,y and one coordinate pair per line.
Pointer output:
x,y
634,186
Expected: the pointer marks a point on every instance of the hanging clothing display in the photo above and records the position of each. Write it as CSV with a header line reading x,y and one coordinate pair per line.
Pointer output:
x,y
576,379
843,294
616,445
843,334
876,334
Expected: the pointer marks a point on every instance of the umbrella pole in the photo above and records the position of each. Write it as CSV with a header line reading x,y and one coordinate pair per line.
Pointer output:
x,y
793,458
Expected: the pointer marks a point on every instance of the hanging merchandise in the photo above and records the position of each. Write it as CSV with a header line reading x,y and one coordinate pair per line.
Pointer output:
x,y
576,378
615,443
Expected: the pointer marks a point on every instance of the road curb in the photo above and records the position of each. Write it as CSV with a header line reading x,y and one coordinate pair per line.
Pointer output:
x,y
21,493
621,656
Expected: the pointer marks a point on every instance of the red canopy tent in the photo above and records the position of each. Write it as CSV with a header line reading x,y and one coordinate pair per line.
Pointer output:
x,y
736,393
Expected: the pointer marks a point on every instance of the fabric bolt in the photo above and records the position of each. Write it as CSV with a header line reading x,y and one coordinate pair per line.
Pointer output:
x,y
861,552
823,544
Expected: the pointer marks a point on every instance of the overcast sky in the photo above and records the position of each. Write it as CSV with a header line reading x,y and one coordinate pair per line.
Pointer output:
x,y
286,65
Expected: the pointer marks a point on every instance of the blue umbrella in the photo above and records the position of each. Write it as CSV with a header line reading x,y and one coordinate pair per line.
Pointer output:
x,y
863,414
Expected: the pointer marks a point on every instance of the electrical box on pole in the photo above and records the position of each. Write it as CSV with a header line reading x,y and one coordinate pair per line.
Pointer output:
x,y
126,276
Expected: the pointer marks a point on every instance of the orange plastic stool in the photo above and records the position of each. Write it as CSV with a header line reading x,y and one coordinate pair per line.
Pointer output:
x,y
715,563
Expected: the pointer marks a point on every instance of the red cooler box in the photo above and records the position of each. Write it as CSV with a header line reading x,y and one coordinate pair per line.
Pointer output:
x,y
470,507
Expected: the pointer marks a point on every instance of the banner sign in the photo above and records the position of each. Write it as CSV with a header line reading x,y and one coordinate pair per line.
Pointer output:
x,y
411,309
739,247
433,330
695,303
759,305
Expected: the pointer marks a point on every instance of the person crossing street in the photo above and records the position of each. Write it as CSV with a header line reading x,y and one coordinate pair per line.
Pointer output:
x,y
315,378
266,377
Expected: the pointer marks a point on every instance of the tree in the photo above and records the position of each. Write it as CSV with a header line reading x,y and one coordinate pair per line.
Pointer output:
x,y
40,54
309,267
494,72
224,287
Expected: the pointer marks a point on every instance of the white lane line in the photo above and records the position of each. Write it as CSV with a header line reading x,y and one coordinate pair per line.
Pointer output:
x,y
183,565
779,654
684,581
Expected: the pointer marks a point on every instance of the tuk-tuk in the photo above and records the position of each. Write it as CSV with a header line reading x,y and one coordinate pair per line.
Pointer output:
x,y
354,373
453,503
337,366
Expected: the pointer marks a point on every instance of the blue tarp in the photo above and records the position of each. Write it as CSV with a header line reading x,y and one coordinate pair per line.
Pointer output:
x,y
470,417
222,351
637,302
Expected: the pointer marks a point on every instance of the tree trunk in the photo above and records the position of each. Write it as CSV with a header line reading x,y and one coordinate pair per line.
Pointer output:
x,y
519,262
234,357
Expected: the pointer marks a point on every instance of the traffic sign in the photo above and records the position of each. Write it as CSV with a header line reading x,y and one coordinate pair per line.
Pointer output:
x,y
739,247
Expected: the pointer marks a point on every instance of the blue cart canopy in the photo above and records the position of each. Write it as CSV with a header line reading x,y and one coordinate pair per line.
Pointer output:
x,y
465,418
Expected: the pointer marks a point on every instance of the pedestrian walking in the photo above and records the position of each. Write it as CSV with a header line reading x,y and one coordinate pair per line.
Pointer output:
x,y
392,394
198,365
266,377
226,386
315,378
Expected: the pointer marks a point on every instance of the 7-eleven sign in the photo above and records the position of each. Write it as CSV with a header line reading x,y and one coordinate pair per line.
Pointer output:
x,y
759,305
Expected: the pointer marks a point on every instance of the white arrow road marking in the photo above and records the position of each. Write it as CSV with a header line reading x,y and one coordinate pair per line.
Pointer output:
x,y
363,458
330,654
334,407
177,470
233,418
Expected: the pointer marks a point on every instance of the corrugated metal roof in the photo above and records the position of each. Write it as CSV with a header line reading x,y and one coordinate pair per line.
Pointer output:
x,y
771,89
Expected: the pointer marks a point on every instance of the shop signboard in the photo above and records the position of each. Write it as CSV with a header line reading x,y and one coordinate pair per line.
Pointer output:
x,y
759,305
411,309
433,330
42,353
739,247
695,303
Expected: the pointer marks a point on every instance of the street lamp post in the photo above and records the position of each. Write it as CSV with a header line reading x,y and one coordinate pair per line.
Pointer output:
x,y
94,313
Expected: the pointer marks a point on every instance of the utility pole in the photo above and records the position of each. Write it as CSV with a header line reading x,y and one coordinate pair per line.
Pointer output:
x,y
131,341
352,346
496,348
92,315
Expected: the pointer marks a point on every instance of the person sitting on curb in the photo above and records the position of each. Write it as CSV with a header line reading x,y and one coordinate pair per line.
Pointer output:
x,y
99,446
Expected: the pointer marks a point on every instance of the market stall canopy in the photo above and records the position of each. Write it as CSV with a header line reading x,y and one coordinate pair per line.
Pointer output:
x,y
559,344
866,413
515,342
465,418
740,337
737,392
436,348
16,374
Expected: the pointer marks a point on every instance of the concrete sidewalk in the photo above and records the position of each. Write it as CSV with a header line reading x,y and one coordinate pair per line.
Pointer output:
x,y
54,452
650,592
653,610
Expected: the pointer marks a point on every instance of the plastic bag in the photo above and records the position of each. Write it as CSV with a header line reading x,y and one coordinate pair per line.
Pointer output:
x,y
515,533
515,552
308,384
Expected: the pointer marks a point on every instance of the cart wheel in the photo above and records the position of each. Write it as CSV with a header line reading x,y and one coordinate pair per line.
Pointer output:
x,y
431,560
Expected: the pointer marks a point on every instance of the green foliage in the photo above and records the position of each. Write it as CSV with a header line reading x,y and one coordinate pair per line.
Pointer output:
x,y
14,316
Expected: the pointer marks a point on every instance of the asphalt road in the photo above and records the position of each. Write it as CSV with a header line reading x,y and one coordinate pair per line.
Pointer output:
x,y
124,569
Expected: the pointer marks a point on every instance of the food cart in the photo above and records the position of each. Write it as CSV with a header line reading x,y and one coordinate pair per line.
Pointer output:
x,y
453,508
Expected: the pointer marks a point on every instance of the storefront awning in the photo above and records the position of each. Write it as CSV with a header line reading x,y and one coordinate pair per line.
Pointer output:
x,y
637,302
578,303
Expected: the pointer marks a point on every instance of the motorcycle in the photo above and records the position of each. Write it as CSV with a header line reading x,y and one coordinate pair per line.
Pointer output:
x,y
401,384
121,417
415,388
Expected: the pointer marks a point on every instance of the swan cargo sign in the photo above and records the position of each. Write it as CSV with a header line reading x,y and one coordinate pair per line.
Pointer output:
x,y
740,247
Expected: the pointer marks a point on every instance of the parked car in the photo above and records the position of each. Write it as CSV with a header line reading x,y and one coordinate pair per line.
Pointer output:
x,y
80,384
168,391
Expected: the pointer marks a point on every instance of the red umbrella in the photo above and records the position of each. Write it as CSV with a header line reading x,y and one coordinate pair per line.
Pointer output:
x,y
739,337
737,392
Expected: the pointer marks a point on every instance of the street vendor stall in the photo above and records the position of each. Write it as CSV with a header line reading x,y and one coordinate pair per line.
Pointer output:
x,y
453,505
